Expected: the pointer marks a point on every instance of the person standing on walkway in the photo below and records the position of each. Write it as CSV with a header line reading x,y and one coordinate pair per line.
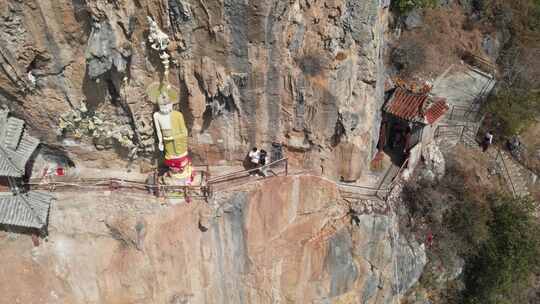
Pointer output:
x,y
254,155
488,140
253,160
263,161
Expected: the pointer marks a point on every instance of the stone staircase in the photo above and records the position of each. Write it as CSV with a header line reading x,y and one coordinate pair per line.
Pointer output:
x,y
465,92
516,176
458,129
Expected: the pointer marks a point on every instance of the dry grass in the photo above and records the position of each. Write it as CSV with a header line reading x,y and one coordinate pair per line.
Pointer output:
x,y
531,140
473,166
444,36
531,158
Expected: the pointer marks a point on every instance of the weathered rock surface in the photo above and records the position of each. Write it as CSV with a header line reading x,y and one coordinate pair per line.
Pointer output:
x,y
413,19
303,73
289,240
306,74
434,166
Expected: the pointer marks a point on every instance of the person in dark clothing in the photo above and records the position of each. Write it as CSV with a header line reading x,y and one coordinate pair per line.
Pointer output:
x,y
488,140
263,159
514,146
276,152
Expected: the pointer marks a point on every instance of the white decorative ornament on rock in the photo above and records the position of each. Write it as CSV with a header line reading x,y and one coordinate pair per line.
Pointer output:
x,y
158,39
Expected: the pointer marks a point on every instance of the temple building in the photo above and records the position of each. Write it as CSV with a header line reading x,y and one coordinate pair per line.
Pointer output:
x,y
409,122
19,209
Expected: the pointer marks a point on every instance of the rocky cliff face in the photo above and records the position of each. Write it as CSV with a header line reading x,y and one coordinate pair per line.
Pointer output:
x,y
307,74
304,73
296,245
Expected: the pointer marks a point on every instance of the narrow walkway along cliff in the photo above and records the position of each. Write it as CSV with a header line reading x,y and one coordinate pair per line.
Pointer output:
x,y
305,78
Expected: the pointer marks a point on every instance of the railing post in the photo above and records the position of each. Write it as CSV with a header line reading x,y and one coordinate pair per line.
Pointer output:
x,y
158,189
506,170
186,195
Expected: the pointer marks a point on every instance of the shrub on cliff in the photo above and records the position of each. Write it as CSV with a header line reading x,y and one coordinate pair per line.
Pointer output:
x,y
513,110
405,6
465,218
501,271
470,222
523,15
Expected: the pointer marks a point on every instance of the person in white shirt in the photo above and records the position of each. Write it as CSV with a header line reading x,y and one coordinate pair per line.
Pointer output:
x,y
253,156
488,140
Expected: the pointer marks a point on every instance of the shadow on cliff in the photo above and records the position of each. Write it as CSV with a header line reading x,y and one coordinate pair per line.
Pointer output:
x,y
312,66
83,16
313,69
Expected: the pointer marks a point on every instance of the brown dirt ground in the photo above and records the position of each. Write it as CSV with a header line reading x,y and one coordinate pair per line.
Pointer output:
x,y
531,139
474,164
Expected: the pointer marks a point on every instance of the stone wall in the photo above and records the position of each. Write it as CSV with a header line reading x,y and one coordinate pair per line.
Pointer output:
x,y
304,73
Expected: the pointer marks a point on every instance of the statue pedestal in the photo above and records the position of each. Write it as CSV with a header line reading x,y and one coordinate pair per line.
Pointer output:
x,y
181,178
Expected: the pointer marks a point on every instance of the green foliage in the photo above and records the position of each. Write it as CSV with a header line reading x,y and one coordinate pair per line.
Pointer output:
x,y
522,15
497,236
514,111
500,272
534,20
405,6
470,222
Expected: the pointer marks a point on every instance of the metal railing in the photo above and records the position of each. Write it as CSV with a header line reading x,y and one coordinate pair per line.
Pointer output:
x,y
452,131
246,173
481,97
460,113
381,192
472,112
395,179
460,132
505,169
464,136
482,63
114,184
153,185
360,191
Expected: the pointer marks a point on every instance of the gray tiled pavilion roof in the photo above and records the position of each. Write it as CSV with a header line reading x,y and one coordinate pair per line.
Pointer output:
x,y
16,146
26,209
31,209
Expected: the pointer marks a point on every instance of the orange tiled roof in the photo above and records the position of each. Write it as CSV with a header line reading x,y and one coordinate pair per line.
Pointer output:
x,y
410,106
406,105
436,110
